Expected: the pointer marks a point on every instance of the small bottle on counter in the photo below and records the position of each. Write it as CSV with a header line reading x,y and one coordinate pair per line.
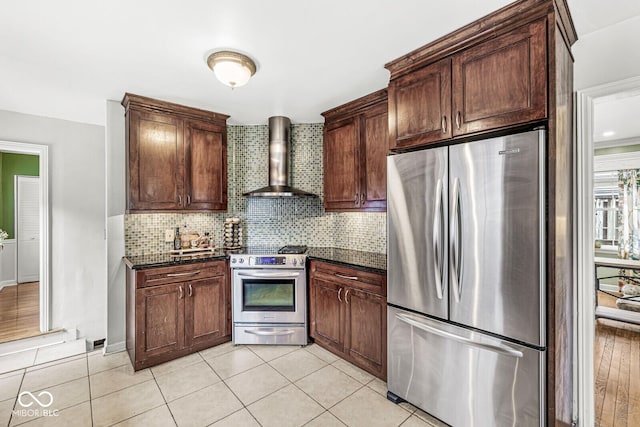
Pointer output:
x,y
177,245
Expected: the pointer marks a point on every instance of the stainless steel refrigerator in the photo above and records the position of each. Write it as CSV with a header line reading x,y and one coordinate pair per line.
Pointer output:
x,y
466,280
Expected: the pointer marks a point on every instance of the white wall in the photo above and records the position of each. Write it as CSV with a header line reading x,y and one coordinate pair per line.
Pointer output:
x,y
115,192
77,202
607,55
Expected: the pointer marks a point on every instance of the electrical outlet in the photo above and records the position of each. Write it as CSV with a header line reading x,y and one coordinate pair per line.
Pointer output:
x,y
169,235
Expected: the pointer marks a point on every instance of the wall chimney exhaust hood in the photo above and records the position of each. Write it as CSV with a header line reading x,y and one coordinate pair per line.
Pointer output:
x,y
279,151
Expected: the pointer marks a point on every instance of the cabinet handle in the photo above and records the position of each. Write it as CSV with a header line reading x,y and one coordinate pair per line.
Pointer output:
x,y
362,197
444,124
346,277
179,200
190,290
346,296
181,293
191,273
339,292
458,120
355,200
188,199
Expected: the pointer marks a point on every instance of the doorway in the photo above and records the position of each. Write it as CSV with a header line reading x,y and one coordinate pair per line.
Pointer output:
x,y
24,262
605,348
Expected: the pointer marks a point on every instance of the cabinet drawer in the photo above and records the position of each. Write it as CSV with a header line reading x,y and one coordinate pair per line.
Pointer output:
x,y
164,275
372,282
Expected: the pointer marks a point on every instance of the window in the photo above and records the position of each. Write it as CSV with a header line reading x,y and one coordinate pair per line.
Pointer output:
x,y
606,212
605,208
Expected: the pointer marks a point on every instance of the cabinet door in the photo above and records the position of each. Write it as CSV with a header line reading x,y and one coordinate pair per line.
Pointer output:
x,y
205,166
159,320
341,165
420,106
327,323
375,143
156,160
366,338
205,310
501,82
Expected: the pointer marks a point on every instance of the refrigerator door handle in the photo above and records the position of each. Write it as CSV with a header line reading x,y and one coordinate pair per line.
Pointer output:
x,y
454,241
437,239
506,351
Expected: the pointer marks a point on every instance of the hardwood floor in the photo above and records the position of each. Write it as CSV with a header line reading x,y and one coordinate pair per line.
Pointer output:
x,y
617,371
19,311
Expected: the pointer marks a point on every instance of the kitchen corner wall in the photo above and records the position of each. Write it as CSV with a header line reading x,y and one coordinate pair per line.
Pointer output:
x,y
268,222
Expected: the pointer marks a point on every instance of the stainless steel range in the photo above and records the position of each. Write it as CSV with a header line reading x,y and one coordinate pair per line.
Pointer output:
x,y
269,296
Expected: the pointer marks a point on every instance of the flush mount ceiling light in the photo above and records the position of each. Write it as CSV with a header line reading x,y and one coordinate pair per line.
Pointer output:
x,y
231,68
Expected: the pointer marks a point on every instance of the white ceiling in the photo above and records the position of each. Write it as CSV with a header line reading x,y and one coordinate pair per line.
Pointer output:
x,y
616,120
64,58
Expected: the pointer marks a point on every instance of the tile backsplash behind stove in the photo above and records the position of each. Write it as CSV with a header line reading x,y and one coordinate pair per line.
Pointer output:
x,y
267,222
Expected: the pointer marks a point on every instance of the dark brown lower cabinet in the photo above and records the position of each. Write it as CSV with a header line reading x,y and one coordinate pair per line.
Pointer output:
x,y
174,311
205,311
348,309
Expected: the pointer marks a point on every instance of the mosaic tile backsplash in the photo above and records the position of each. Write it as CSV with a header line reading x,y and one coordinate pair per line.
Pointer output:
x,y
267,222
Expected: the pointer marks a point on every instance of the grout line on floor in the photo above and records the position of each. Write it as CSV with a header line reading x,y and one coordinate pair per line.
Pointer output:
x,y
163,398
15,399
90,397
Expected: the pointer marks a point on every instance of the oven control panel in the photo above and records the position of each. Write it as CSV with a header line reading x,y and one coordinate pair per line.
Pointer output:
x,y
268,261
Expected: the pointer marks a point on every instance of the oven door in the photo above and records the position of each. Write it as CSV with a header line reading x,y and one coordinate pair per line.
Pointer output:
x,y
269,296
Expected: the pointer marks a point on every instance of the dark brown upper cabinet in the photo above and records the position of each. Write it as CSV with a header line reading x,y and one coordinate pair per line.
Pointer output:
x,y
177,157
501,82
355,146
497,83
420,106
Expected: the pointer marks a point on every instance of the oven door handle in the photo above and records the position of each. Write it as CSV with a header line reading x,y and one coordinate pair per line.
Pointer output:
x,y
270,333
276,275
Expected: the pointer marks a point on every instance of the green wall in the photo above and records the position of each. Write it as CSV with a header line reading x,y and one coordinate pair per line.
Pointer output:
x,y
11,165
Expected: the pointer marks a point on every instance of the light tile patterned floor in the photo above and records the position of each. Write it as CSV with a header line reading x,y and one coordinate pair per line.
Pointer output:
x,y
222,386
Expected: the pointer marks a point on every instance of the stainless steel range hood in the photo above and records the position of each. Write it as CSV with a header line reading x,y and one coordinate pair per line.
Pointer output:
x,y
279,150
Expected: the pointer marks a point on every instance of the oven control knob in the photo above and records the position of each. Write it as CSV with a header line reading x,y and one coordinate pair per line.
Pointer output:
x,y
295,261
241,260
301,261
233,260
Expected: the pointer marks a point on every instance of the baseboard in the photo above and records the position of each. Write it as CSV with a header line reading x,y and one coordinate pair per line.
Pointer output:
x,y
7,283
115,347
71,334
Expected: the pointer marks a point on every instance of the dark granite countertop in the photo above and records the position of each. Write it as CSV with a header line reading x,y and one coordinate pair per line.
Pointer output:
x,y
139,262
369,261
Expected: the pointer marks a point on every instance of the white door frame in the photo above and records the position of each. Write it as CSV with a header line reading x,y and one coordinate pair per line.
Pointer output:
x,y
45,283
584,283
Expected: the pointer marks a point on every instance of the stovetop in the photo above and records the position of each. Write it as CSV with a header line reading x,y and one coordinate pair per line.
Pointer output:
x,y
293,249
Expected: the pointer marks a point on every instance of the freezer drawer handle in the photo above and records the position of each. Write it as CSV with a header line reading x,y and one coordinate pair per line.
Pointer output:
x,y
496,349
270,333
437,239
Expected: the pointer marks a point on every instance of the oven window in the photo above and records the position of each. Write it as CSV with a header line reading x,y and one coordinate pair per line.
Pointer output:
x,y
268,295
